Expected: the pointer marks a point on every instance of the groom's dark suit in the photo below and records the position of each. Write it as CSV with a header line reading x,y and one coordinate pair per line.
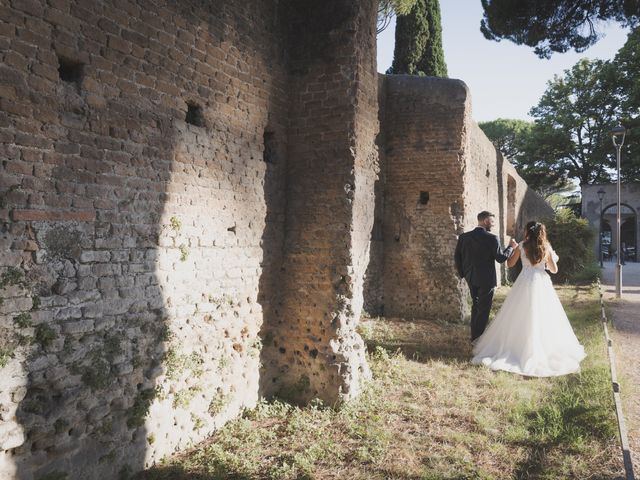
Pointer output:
x,y
475,255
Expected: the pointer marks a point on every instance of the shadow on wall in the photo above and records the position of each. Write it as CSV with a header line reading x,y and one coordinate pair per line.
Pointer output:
x,y
270,290
119,369
98,327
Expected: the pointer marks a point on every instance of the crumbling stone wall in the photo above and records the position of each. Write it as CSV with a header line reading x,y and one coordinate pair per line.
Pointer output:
x,y
187,195
331,170
142,186
440,170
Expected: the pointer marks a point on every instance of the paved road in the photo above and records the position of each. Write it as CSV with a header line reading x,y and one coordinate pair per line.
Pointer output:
x,y
626,337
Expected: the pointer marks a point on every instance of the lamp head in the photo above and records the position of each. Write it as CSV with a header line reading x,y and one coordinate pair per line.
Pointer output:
x,y
617,135
601,194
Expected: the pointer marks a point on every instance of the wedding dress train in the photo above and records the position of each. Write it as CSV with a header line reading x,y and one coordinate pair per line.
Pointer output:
x,y
531,334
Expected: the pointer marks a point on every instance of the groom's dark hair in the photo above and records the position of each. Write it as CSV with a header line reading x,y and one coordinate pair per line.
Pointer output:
x,y
483,215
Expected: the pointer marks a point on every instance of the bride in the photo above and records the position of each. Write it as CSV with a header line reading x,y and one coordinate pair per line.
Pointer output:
x,y
531,334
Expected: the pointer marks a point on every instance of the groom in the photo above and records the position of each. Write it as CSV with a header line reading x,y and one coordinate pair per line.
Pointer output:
x,y
475,254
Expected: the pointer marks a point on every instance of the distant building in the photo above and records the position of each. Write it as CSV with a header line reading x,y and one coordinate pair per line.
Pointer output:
x,y
605,221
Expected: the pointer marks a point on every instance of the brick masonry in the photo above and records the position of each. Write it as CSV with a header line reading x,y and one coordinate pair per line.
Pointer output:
x,y
196,204
439,171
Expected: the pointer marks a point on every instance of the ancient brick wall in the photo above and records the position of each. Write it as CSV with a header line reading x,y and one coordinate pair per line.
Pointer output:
x,y
331,169
423,194
373,290
440,170
142,218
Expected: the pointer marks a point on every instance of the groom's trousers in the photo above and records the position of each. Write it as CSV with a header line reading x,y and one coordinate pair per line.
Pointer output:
x,y
482,299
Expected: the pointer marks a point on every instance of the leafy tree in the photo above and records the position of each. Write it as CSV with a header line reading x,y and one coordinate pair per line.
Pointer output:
x,y
516,140
418,47
573,120
508,135
554,25
388,8
627,65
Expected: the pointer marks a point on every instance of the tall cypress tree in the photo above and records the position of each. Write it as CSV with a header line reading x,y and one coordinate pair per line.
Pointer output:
x,y
418,48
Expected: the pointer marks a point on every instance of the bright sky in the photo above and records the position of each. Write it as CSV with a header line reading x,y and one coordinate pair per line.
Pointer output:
x,y
505,79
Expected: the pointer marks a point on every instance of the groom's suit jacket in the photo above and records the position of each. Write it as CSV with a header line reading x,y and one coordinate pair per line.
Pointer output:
x,y
475,255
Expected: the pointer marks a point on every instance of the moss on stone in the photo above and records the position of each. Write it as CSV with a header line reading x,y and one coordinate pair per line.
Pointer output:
x,y
44,335
137,413
23,320
218,404
175,224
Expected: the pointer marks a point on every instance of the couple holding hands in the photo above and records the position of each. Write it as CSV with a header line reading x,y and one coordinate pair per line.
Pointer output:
x,y
531,334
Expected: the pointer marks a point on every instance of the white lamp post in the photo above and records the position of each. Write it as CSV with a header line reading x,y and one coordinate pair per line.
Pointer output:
x,y
617,136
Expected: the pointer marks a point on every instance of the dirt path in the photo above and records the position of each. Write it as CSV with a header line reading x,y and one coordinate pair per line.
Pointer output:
x,y
626,337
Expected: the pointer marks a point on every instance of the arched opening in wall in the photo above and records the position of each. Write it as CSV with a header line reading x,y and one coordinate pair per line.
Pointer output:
x,y
628,232
511,206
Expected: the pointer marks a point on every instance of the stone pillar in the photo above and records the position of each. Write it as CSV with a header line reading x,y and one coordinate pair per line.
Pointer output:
x,y
332,164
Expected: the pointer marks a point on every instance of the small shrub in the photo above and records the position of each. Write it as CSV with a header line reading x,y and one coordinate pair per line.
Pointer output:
x,y
572,238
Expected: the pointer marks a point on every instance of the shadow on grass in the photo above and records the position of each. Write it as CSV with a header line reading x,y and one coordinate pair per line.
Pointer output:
x,y
576,411
420,341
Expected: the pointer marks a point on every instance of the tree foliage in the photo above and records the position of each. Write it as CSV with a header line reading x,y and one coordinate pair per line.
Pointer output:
x,y
574,118
516,140
418,48
627,68
554,25
572,239
388,8
570,138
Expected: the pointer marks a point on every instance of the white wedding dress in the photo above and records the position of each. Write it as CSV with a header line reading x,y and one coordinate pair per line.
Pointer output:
x,y
531,334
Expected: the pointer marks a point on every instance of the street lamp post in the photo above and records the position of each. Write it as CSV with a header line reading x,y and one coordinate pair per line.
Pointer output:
x,y
617,136
601,194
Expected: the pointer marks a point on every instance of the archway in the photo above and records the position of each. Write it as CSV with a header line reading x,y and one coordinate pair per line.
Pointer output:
x,y
628,231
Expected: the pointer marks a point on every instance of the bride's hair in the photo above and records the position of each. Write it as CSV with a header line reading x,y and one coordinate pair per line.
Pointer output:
x,y
535,244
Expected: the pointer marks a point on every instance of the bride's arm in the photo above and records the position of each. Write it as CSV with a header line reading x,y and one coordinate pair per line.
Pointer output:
x,y
551,260
513,259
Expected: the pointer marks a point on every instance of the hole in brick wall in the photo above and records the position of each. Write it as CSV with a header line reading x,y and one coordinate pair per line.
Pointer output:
x,y
70,71
424,198
269,155
195,116
232,229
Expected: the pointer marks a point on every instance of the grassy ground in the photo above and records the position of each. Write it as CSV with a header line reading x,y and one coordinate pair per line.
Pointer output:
x,y
429,414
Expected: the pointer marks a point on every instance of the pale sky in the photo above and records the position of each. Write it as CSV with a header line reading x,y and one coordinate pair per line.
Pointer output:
x,y
505,79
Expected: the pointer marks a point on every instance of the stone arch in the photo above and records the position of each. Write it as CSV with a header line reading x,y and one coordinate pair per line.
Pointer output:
x,y
628,229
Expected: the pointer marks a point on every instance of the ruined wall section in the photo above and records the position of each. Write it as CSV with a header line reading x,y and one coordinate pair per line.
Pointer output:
x,y
440,171
373,291
315,349
134,241
424,133
492,183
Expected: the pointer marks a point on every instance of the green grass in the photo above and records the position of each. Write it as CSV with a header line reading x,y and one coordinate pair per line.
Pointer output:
x,y
429,414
